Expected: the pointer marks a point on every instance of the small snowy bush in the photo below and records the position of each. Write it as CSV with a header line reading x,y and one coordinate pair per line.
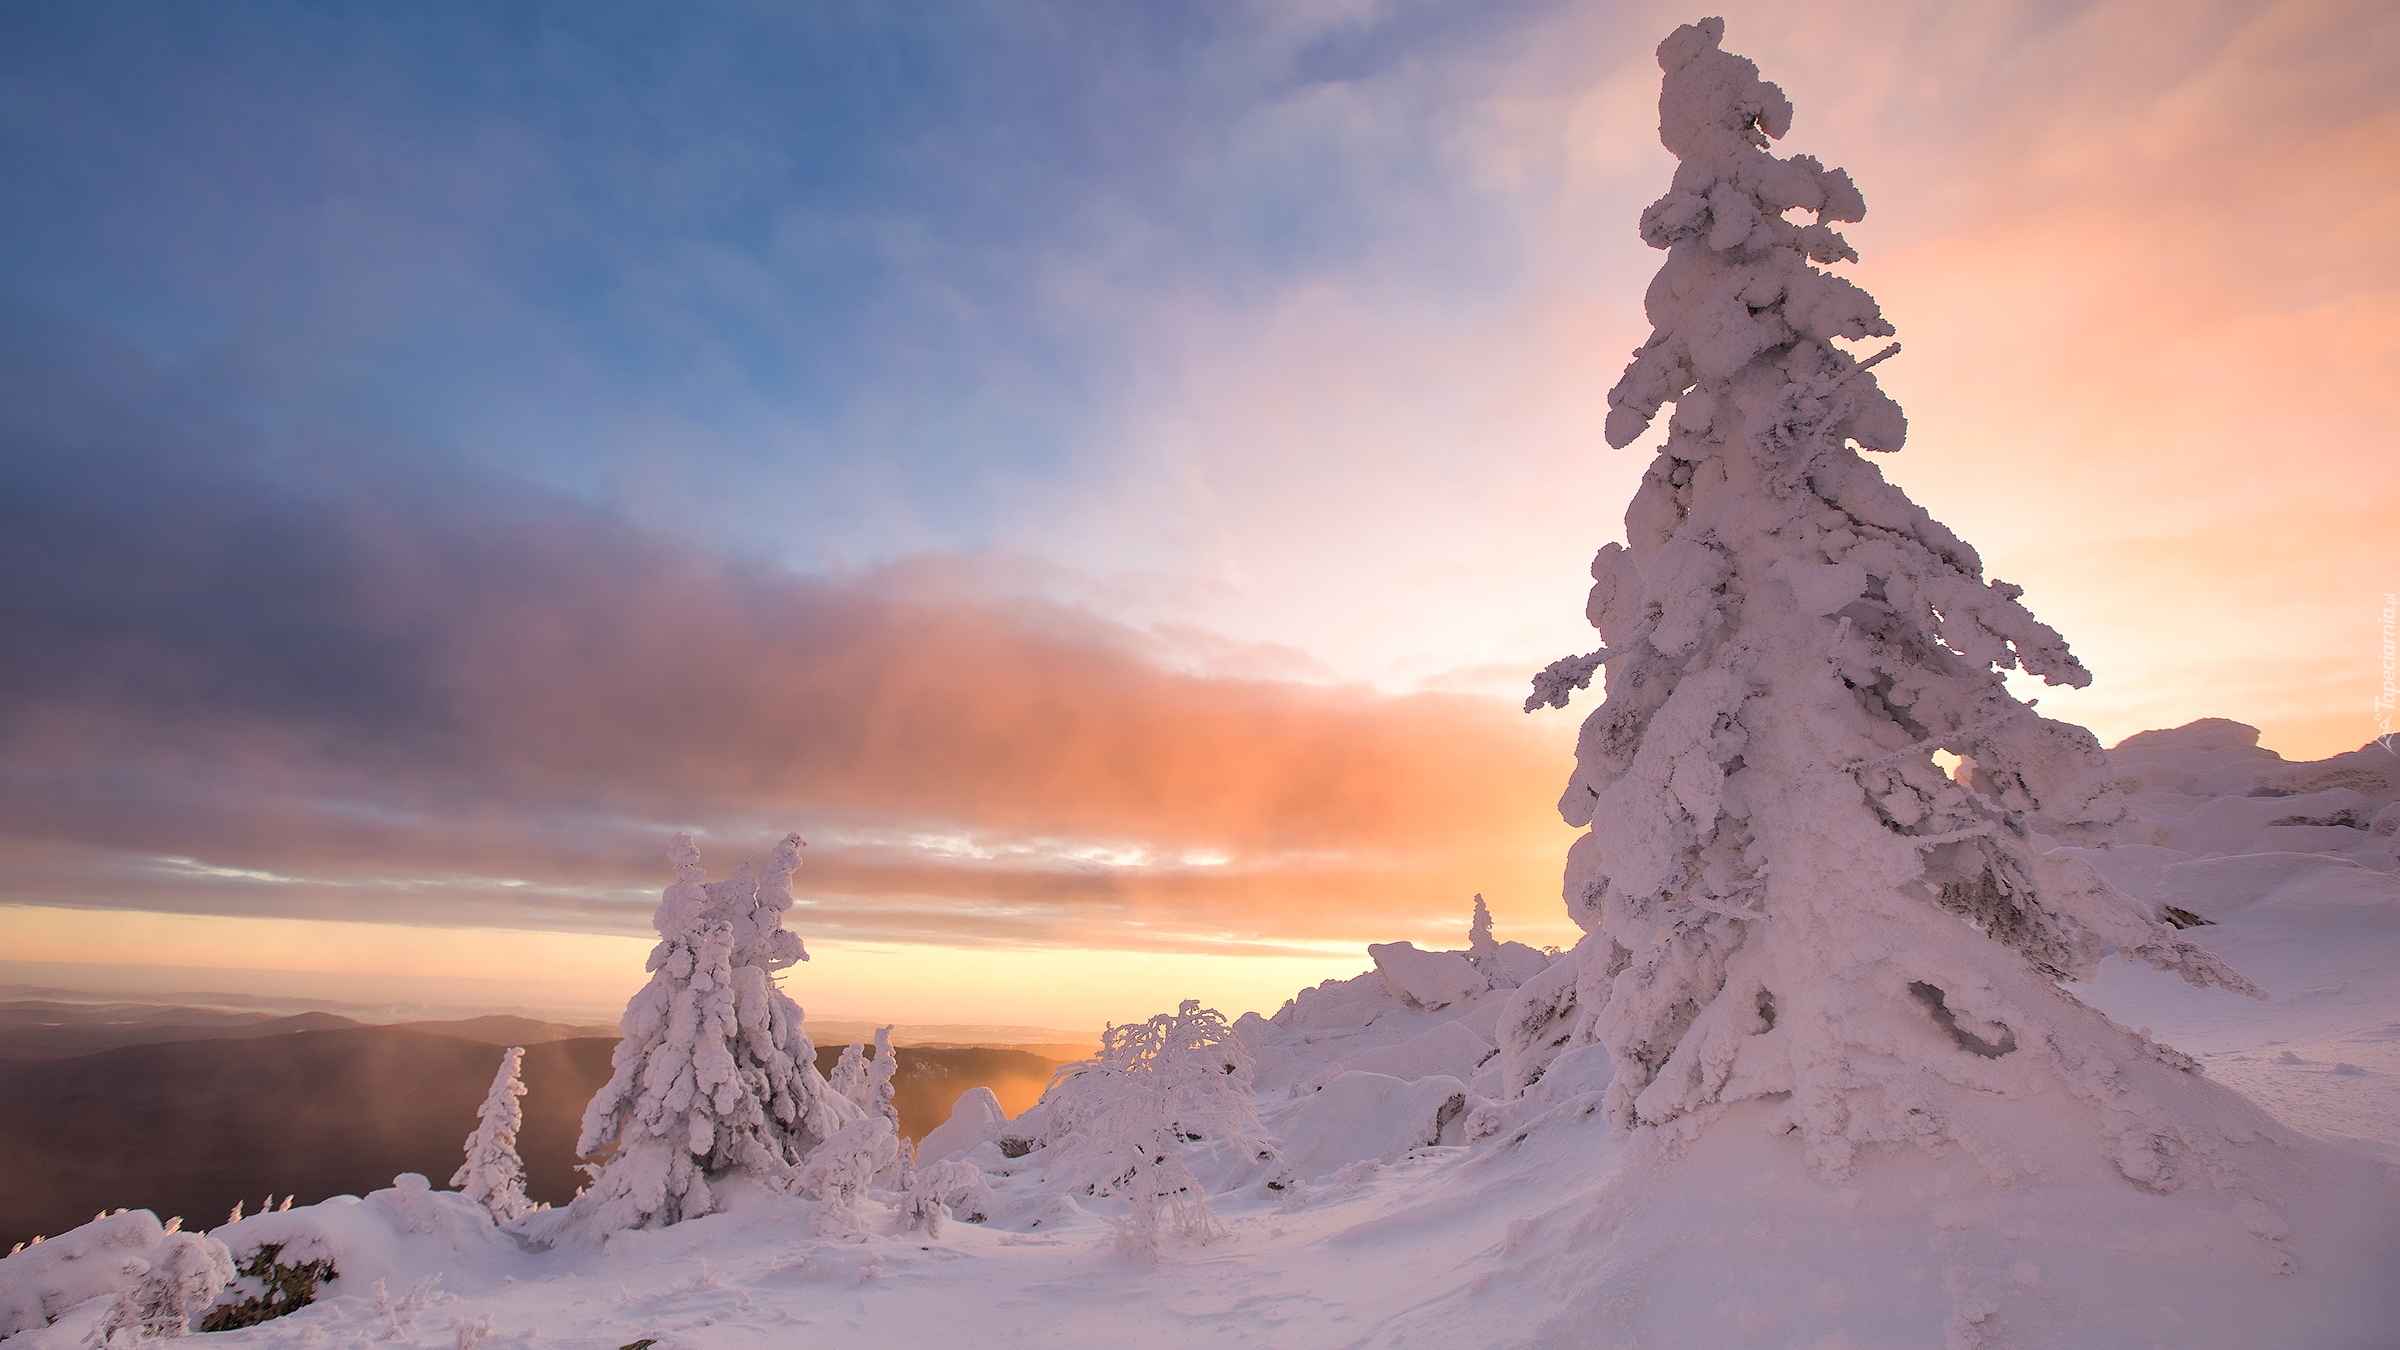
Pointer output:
x,y
839,1171
1120,1123
493,1176
113,1254
181,1278
945,1190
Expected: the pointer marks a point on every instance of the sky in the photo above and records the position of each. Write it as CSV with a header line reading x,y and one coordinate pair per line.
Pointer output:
x,y
1102,473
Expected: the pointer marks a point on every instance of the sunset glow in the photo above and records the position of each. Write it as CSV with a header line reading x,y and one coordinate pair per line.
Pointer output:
x,y
1103,477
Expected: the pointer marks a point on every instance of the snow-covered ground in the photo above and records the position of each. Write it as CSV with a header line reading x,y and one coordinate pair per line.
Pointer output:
x,y
1407,1204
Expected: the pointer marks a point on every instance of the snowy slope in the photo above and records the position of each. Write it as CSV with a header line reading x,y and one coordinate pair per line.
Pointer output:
x,y
2293,864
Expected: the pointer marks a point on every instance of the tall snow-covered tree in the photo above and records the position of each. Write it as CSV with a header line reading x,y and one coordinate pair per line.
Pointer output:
x,y
493,1176
715,1075
1782,890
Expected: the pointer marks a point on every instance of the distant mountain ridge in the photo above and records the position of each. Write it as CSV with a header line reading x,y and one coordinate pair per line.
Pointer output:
x,y
190,1111
37,1029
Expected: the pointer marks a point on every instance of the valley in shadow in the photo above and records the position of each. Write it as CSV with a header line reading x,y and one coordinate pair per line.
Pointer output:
x,y
188,1112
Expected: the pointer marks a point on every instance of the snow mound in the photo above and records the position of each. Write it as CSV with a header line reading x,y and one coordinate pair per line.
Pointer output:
x,y
1450,1049
1428,980
975,1118
1363,1117
397,1236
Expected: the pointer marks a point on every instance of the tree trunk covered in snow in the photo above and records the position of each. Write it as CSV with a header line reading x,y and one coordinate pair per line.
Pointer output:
x,y
1785,896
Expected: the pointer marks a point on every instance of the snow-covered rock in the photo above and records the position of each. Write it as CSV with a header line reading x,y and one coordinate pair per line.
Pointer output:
x,y
976,1117
1362,1117
397,1236
1425,979
1449,1049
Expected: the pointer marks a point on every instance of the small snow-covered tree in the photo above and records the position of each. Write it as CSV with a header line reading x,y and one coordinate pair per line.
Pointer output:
x,y
493,1176
1121,1122
879,1099
867,1083
1483,950
849,1076
1784,894
714,1075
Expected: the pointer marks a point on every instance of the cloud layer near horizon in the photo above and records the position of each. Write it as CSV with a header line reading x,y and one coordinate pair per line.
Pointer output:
x,y
239,685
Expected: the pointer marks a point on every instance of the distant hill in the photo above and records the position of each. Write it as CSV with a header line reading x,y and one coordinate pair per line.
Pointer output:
x,y
46,1029
190,1124
39,1030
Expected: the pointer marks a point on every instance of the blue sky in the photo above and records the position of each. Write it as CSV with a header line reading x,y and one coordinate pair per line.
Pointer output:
x,y
833,279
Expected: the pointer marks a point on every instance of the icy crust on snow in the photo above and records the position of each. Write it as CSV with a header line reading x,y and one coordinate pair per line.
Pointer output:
x,y
1775,869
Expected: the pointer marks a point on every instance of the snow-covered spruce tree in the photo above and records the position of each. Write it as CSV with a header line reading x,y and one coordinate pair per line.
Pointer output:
x,y
1482,949
880,1096
493,1176
1121,1122
1783,893
714,1075
867,1083
849,1076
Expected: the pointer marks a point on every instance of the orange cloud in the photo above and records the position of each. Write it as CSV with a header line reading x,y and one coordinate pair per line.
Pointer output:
x,y
443,711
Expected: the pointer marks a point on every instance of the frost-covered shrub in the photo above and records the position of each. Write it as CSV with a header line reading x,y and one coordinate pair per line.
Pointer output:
x,y
1786,895
268,1288
1123,1122
714,1075
493,1176
113,1254
180,1277
839,1171
945,1190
